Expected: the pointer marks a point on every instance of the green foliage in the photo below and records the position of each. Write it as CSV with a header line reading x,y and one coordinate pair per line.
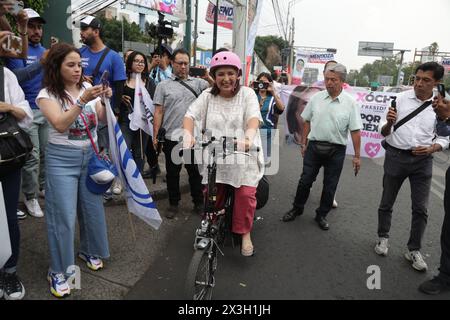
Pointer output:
x,y
112,33
38,5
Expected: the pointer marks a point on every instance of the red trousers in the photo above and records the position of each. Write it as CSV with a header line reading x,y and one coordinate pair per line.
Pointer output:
x,y
244,207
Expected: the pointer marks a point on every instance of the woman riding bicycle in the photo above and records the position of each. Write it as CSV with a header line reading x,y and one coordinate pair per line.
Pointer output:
x,y
231,110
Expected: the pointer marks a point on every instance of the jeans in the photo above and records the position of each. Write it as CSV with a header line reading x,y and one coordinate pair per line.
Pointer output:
x,y
444,269
173,177
11,190
67,197
332,165
136,142
33,172
398,166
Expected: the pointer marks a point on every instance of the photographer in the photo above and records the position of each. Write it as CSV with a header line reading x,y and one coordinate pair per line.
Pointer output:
x,y
7,38
163,70
270,106
33,172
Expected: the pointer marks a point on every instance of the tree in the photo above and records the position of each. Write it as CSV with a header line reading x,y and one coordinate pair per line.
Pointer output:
x,y
269,49
38,5
112,33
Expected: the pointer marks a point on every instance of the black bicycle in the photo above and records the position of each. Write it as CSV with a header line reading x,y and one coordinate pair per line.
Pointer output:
x,y
215,226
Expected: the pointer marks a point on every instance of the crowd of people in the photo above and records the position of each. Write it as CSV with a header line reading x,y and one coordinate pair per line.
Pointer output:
x,y
57,96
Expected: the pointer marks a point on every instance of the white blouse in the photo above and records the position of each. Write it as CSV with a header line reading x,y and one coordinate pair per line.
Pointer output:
x,y
229,117
14,95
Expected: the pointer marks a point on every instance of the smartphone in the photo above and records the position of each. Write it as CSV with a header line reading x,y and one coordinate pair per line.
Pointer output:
x,y
197,72
17,6
104,79
13,44
441,89
394,102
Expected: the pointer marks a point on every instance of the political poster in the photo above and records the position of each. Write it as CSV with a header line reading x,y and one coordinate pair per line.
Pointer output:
x,y
308,66
172,7
373,108
225,16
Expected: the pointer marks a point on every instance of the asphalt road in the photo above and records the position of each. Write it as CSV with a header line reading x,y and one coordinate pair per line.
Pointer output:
x,y
297,260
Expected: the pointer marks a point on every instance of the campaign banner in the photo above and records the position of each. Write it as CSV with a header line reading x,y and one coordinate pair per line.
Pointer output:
x,y
225,17
373,107
308,66
254,14
172,7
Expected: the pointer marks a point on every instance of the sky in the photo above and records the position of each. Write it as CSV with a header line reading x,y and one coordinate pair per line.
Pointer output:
x,y
341,24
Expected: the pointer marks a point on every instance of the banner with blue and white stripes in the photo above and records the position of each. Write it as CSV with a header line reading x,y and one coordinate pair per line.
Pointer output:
x,y
139,200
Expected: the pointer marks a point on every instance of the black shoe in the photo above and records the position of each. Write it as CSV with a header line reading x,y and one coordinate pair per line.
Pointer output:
x,y
322,222
434,286
12,287
172,211
198,208
292,214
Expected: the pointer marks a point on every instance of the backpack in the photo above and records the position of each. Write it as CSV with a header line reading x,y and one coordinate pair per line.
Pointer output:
x,y
15,143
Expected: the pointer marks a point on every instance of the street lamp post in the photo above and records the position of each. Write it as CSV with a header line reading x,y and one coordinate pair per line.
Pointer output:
x,y
122,7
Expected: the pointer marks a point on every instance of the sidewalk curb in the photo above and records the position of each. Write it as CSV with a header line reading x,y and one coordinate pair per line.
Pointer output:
x,y
156,195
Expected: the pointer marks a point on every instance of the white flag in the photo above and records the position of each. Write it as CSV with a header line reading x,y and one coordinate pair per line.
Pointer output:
x,y
139,200
143,109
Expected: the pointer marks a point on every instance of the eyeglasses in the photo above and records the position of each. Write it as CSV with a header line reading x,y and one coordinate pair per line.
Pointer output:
x,y
139,62
182,63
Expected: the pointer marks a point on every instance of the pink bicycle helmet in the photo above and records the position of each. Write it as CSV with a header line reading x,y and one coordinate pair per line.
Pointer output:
x,y
225,58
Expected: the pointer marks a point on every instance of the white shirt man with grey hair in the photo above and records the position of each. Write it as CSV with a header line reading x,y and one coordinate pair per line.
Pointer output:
x,y
329,116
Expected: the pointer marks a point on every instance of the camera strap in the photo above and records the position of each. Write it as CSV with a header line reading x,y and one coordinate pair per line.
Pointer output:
x,y
412,115
99,63
184,84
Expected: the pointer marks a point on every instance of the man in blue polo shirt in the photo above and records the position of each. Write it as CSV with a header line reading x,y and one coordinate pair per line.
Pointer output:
x,y
33,174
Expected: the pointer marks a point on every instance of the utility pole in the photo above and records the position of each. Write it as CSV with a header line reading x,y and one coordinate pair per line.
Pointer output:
x,y
188,31
402,52
292,52
195,33
123,5
216,22
240,32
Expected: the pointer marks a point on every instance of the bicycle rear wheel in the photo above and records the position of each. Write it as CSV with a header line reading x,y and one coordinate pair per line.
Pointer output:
x,y
200,276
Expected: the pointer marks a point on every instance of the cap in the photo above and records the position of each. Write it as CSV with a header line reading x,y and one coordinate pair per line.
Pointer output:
x,y
167,48
99,177
90,21
34,15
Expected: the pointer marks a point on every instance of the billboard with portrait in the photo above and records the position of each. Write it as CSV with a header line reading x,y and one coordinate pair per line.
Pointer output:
x,y
172,7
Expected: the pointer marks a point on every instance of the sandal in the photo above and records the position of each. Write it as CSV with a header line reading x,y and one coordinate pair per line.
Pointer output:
x,y
247,251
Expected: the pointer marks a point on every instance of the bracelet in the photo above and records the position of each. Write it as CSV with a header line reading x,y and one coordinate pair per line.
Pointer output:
x,y
80,105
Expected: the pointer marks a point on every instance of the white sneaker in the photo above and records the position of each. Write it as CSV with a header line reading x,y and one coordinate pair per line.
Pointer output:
x,y
382,247
34,208
417,260
335,204
20,215
117,187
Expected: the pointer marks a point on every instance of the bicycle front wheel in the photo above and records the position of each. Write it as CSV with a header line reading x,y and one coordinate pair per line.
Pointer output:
x,y
200,277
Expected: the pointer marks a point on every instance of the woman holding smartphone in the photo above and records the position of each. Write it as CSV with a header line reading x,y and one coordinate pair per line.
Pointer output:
x,y
72,108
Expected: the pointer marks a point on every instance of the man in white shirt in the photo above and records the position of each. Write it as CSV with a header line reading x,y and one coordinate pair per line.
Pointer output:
x,y
409,150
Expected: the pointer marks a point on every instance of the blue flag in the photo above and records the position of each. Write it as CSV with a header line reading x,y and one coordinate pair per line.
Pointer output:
x,y
139,200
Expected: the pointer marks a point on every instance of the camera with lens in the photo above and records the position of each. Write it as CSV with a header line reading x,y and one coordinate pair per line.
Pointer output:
x,y
259,85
